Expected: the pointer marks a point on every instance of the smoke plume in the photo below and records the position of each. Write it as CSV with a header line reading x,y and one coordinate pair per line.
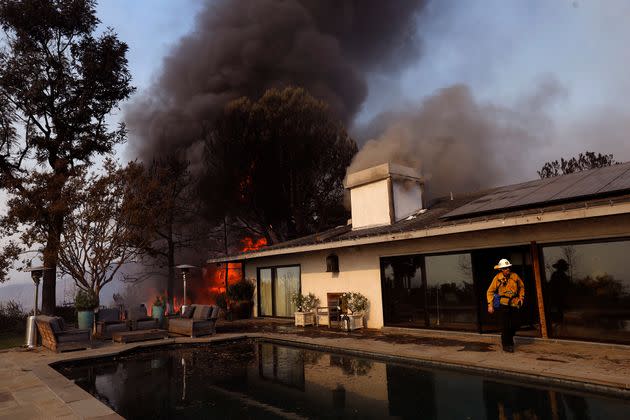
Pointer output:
x,y
460,144
244,48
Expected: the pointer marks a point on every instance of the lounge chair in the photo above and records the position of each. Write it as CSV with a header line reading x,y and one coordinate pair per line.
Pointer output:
x,y
57,337
108,321
200,321
139,320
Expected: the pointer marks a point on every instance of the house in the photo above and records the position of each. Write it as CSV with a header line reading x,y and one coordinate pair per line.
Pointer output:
x,y
429,266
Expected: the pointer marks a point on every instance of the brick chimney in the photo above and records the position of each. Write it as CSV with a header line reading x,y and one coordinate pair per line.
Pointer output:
x,y
384,194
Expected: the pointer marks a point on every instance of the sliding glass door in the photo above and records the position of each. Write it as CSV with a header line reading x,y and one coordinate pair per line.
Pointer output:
x,y
275,287
265,300
448,291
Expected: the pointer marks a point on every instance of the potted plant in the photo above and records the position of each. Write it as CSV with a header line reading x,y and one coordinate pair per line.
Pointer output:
x,y
304,306
158,308
85,302
240,297
220,299
357,306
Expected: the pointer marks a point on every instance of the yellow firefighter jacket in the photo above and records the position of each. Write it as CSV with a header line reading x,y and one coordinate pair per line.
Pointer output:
x,y
512,287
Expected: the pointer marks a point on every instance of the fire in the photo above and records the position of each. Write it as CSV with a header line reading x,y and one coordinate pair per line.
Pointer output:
x,y
205,288
249,244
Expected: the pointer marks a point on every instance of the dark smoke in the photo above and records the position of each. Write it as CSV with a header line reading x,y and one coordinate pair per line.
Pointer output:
x,y
461,144
243,48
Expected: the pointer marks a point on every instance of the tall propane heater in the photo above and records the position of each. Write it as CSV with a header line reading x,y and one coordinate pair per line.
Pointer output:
x,y
185,269
31,328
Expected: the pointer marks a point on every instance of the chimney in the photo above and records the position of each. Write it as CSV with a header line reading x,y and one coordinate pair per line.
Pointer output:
x,y
383,194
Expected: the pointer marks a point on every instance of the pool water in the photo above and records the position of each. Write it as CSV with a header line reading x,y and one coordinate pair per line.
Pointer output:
x,y
255,379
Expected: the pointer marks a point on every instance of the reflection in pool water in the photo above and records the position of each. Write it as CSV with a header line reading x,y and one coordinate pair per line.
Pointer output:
x,y
264,380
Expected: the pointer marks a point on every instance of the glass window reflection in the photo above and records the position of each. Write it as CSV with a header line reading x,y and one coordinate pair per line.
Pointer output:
x,y
450,291
587,289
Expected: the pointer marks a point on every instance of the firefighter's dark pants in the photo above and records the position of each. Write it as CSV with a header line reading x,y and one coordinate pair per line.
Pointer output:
x,y
509,318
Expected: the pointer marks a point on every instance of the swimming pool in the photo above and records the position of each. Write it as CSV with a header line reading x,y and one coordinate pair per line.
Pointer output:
x,y
260,379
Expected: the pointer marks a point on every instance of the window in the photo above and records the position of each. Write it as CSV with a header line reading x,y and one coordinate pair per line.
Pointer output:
x,y
275,287
587,290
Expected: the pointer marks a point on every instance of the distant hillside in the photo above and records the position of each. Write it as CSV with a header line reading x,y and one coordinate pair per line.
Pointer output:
x,y
24,293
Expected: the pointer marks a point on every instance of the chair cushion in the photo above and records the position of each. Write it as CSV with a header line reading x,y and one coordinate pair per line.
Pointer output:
x,y
80,335
146,324
215,312
188,313
121,326
137,312
109,315
202,312
55,325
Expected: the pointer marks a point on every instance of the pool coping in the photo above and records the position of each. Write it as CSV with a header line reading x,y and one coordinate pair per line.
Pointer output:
x,y
85,405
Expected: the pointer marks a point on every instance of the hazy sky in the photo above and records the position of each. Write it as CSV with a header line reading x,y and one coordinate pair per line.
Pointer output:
x,y
501,49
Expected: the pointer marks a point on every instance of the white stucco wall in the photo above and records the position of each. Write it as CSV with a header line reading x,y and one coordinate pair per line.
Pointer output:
x,y
360,265
370,204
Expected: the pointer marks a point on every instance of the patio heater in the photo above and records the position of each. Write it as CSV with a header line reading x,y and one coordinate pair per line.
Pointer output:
x,y
184,268
31,328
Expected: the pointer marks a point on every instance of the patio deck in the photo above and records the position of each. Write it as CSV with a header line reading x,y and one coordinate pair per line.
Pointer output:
x,y
30,388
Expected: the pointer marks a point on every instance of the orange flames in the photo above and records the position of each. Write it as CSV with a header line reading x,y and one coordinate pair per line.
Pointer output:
x,y
249,244
205,288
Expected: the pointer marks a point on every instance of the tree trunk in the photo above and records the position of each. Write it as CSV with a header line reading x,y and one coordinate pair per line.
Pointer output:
x,y
51,250
170,282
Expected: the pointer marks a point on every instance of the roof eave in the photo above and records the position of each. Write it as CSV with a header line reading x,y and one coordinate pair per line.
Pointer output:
x,y
502,222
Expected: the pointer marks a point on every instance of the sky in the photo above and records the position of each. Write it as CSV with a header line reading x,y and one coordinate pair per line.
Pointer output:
x,y
501,49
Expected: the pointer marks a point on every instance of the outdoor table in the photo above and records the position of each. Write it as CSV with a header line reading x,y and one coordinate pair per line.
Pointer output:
x,y
141,335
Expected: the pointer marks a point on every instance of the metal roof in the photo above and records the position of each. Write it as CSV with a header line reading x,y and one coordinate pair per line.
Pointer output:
x,y
580,185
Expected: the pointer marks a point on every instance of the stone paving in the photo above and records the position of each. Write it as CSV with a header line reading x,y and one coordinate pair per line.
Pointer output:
x,y
30,388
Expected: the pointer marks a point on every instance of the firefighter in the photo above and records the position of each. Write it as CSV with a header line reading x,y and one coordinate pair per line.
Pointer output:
x,y
510,295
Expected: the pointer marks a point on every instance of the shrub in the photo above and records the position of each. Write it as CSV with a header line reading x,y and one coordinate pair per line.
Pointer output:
x,y
355,302
242,290
68,313
85,300
221,300
304,303
12,317
159,301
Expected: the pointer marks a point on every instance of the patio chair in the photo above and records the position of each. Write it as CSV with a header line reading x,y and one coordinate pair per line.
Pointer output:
x,y
57,337
196,321
138,319
326,315
108,321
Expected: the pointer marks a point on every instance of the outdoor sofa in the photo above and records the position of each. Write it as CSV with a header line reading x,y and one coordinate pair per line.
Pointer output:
x,y
109,321
139,320
57,337
195,321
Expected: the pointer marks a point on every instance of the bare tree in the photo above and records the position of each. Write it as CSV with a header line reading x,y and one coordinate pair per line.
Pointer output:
x,y
172,223
100,234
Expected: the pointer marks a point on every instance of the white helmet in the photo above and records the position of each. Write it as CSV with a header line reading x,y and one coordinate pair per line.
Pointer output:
x,y
504,263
